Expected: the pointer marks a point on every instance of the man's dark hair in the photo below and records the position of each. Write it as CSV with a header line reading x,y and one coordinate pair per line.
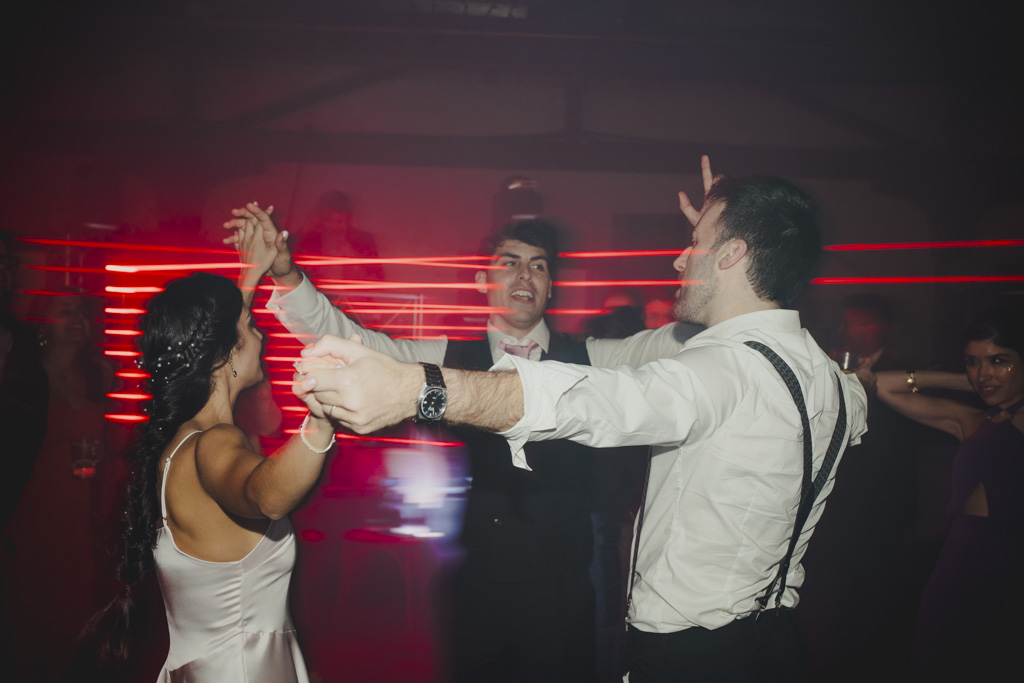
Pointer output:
x,y
778,221
537,232
878,306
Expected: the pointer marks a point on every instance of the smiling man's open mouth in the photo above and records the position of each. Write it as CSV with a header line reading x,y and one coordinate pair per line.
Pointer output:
x,y
522,294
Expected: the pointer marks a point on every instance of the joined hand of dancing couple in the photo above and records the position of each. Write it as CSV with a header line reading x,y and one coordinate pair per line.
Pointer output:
x,y
355,386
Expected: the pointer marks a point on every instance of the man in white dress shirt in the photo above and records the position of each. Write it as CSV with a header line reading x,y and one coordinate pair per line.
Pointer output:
x,y
527,533
727,468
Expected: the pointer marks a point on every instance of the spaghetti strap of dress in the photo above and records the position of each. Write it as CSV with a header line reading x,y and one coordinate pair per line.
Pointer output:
x,y
167,466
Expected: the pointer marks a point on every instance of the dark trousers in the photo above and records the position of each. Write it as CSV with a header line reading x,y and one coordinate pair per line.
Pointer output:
x,y
749,649
528,632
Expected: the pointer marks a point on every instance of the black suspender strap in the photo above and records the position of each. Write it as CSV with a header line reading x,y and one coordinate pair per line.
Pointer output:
x,y
808,490
636,539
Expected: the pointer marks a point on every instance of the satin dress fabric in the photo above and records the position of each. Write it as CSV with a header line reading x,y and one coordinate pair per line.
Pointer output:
x,y
229,621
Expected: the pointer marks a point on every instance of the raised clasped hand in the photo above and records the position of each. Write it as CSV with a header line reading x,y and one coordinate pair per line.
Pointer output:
x,y
258,240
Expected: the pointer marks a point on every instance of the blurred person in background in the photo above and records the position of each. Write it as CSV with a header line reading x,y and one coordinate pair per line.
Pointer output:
x,y
60,508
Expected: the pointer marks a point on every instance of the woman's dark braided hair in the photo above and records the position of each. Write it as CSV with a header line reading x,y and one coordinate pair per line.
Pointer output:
x,y
188,332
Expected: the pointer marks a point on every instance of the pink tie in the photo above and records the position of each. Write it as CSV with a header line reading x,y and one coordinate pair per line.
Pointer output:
x,y
521,350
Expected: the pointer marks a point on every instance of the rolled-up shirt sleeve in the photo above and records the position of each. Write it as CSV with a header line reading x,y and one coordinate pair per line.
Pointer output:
x,y
662,403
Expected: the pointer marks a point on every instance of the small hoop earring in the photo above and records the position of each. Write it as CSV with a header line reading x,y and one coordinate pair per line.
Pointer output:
x,y
231,362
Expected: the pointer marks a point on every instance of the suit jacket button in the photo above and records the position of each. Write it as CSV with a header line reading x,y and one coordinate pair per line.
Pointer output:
x,y
497,521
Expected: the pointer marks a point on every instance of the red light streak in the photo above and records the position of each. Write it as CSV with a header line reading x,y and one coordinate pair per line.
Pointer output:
x,y
577,311
620,254
434,337
914,279
387,439
132,290
116,417
397,308
45,292
950,244
123,333
281,359
953,244
624,283
64,269
125,311
178,266
130,396
123,354
132,374
369,284
289,335
132,247
398,326
314,260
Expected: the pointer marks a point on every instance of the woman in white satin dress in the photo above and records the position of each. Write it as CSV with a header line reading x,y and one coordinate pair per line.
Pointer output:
x,y
206,512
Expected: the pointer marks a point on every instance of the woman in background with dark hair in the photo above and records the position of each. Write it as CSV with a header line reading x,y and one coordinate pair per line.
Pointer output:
x,y
967,622
53,593
205,511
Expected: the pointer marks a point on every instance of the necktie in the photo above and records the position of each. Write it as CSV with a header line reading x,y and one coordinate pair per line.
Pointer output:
x,y
521,350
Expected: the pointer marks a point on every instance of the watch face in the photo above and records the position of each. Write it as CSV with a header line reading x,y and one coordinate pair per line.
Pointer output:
x,y
433,403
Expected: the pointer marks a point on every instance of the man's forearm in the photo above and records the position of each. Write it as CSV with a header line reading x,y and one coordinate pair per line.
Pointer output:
x,y
492,401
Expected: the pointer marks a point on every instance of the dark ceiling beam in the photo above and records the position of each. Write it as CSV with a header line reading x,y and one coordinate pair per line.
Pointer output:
x,y
140,144
310,97
854,123
726,54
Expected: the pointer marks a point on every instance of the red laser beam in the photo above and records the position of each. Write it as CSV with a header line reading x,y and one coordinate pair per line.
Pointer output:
x,y
577,311
130,396
123,333
64,269
124,311
122,417
915,279
388,439
315,260
624,283
951,244
110,289
132,374
399,326
164,267
369,284
132,247
620,254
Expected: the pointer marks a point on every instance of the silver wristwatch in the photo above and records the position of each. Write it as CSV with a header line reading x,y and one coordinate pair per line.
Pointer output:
x,y
433,398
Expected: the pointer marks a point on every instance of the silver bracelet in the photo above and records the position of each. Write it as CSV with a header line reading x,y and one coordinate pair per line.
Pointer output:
x,y
302,435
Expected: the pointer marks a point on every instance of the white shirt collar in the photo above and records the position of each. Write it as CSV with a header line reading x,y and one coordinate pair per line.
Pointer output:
x,y
540,334
777,319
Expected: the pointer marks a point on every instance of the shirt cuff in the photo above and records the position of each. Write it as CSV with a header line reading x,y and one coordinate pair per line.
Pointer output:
x,y
279,301
543,384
